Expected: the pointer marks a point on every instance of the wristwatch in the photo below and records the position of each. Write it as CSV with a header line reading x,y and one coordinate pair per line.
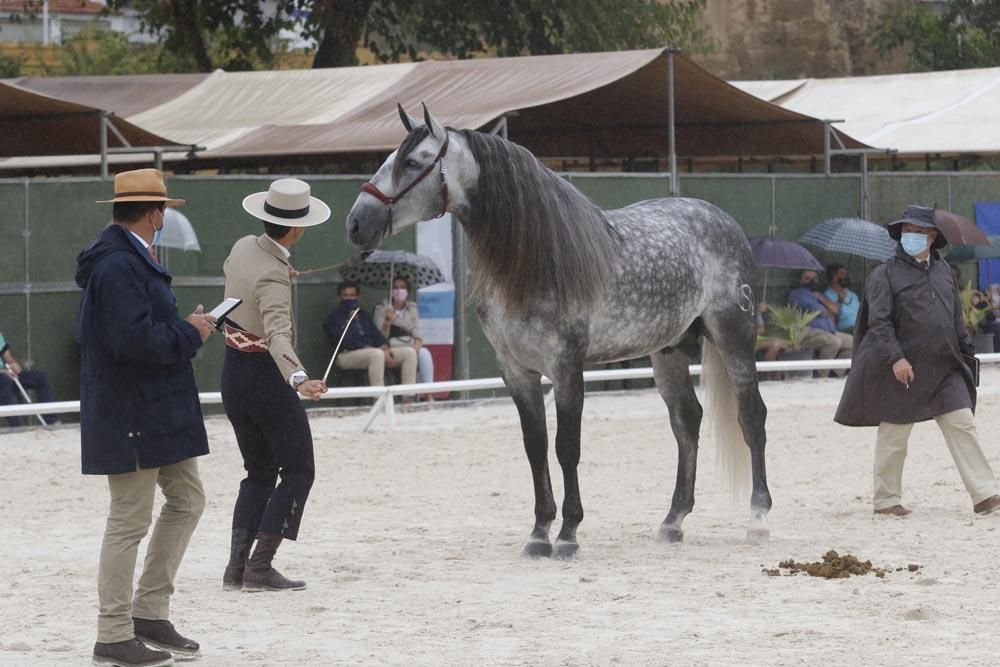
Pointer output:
x,y
297,378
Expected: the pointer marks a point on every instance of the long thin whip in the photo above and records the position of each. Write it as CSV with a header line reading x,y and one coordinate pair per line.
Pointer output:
x,y
27,399
337,349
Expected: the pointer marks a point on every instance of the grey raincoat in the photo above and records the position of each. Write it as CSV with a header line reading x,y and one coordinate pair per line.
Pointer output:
x,y
909,310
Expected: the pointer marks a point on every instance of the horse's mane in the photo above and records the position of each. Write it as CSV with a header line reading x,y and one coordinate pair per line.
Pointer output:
x,y
531,232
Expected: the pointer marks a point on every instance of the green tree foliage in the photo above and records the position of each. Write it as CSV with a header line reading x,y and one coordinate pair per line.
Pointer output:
x,y
965,34
10,66
236,34
95,52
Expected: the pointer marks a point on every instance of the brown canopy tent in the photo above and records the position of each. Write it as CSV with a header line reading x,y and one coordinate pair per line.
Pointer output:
x,y
33,124
582,105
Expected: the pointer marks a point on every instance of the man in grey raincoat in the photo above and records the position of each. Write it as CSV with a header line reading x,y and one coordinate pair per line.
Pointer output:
x,y
908,365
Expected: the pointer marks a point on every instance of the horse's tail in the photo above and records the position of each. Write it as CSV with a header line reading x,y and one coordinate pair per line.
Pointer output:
x,y
732,456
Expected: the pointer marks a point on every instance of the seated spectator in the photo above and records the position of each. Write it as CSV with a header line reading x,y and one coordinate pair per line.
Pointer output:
x,y
35,379
399,322
364,346
847,301
770,348
830,342
989,324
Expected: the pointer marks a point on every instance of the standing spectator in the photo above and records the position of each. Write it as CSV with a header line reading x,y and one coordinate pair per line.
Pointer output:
x,y
830,342
364,346
839,292
140,421
399,322
261,379
909,366
11,371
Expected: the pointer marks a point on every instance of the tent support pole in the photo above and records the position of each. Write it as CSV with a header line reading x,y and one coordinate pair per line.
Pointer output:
x,y
674,185
826,147
104,144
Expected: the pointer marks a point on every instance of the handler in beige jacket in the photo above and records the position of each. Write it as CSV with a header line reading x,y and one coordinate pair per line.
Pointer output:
x,y
260,377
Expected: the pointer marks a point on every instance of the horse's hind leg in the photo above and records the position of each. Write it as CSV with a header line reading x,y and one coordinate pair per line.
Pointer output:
x,y
526,390
734,341
670,371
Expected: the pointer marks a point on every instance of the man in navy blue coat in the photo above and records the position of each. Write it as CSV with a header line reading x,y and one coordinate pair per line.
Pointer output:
x,y
140,421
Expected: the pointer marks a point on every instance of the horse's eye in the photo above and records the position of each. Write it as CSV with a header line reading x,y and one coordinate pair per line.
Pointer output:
x,y
410,163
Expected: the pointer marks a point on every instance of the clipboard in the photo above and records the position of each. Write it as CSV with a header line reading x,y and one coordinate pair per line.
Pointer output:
x,y
973,363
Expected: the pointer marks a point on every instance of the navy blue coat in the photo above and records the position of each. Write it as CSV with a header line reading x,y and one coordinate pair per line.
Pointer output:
x,y
139,404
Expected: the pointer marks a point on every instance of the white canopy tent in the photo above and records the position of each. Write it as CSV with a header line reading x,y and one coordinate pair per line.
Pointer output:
x,y
952,112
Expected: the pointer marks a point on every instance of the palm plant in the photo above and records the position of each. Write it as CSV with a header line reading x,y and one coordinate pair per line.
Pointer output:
x,y
791,324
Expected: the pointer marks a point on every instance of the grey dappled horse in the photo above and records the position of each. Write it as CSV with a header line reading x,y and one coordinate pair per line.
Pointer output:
x,y
559,283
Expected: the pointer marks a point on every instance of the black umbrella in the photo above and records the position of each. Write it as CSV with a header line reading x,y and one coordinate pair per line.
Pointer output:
x,y
382,266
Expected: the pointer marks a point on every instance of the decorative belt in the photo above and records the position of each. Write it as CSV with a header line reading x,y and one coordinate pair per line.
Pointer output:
x,y
244,341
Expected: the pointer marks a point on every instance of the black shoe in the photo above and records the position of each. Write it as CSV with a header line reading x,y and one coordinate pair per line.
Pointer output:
x,y
131,653
161,634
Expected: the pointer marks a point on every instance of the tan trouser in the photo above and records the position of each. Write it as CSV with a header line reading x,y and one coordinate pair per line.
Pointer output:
x,y
959,430
838,345
129,517
373,359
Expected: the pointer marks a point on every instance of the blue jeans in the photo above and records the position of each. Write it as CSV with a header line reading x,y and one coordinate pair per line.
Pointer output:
x,y
33,379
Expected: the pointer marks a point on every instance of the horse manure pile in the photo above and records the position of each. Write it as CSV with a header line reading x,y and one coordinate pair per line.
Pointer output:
x,y
834,566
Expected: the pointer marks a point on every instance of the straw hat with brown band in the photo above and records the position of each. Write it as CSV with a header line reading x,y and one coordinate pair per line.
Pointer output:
x,y
141,185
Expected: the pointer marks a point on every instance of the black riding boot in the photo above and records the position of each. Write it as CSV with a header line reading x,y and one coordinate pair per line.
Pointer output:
x,y
239,552
259,575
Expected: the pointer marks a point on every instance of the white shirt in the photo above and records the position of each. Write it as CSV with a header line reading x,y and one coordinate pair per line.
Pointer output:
x,y
285,251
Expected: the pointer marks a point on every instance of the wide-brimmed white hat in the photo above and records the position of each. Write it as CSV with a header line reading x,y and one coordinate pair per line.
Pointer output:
x,y
287,202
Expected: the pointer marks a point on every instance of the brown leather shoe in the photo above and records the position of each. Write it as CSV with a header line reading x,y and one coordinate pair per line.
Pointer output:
x,y
895,510
988,506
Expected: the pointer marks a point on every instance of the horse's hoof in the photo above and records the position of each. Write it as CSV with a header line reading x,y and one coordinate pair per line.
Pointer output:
x,y
537,549
565,550
674,535
758,536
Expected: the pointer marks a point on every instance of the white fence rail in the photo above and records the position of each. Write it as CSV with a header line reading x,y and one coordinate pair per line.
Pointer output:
x,y
384,395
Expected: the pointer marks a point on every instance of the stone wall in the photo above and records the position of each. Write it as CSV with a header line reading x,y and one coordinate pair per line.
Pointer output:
x,y
791,39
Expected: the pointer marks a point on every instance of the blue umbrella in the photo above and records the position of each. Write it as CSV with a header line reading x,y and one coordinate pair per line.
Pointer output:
x,y
770,251
852,236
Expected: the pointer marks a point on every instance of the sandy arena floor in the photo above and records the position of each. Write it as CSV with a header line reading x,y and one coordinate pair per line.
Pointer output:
x,y
411,548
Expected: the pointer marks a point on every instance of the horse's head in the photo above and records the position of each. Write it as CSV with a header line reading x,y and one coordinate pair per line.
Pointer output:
x,y
413,184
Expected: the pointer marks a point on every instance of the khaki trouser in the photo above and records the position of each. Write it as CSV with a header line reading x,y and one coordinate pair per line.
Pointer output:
x,y
838,345
373,359
129,517
959,430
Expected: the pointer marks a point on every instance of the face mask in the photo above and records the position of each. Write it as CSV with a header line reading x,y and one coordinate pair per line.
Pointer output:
x,y
349,304
812,285
156,232
913,243
399,295
845,282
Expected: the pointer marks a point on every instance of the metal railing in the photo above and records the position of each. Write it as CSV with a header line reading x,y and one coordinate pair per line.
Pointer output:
x,y
384,395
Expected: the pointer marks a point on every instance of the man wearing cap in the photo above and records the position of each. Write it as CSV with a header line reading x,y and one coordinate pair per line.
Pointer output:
x,y
909,365
261,379
140,421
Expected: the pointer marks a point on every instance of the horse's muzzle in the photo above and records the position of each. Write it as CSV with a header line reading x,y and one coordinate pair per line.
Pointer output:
x,y
366,227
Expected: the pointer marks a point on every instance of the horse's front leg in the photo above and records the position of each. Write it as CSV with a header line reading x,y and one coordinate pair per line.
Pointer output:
x,y
670,370
569,412
526,390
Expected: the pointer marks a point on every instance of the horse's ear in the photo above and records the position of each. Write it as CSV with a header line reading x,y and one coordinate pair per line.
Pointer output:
x,y
435,127
409,122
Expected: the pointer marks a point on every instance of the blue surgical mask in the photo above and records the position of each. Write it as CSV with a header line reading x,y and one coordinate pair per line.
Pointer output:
x,y
913,243
157,232
349,304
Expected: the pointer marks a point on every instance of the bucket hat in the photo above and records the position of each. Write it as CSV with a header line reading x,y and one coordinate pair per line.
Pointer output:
x,y
921,216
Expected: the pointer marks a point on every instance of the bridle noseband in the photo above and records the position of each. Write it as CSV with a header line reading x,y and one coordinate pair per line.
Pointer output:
x,y
390,202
